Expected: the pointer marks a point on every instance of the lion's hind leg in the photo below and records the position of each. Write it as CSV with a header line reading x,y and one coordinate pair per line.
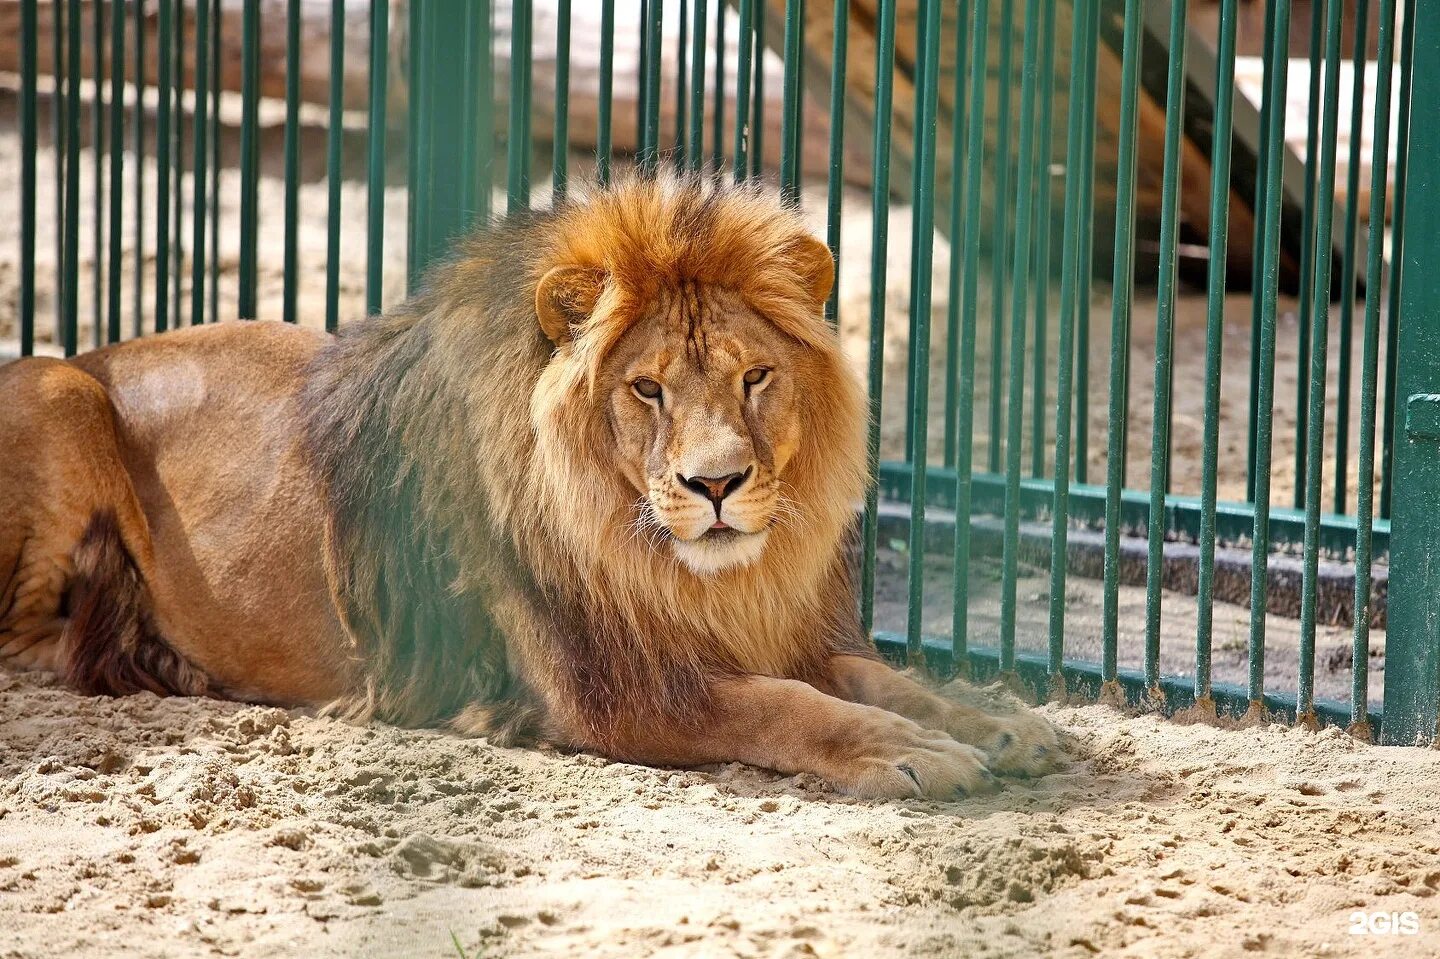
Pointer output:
x,y
73,598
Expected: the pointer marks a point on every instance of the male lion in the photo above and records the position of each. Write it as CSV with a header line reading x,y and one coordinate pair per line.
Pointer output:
x,y
591,486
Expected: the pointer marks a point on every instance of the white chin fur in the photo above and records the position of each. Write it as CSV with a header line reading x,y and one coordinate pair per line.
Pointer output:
x,y
707,557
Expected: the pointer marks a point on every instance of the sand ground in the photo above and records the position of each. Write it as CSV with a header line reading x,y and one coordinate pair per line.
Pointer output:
x,y
148,827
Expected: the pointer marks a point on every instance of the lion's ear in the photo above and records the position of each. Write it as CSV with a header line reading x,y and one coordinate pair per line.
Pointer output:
x,y
814,266
565,299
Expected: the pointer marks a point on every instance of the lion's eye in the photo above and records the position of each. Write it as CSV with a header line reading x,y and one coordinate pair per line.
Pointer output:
x,y
755,376
646,388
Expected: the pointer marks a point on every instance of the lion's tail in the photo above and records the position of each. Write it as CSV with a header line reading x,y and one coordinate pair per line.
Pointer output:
x,y
110,646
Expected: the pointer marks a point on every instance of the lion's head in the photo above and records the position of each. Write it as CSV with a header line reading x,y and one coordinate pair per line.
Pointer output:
x,y
687,321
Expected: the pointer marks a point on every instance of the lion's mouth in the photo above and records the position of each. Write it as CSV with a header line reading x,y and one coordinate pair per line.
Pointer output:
x,y
722,533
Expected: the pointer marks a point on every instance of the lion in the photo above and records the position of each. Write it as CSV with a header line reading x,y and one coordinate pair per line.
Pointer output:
x,y
592,485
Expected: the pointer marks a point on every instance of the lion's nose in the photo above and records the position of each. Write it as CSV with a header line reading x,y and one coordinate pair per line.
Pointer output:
x,y
715,488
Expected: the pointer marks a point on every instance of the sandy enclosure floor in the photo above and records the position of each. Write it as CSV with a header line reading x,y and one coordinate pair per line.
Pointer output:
x,y
152,827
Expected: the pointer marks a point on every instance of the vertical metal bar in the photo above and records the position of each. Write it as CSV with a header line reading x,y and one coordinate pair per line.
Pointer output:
x,y
334,138
214,142
879,241
952,305
292,157
1319,344
695,149
1364,494
1019,316
114,268
375,167
839,48
1214,345
70,285
164,93
249,151
1000,202
28,147
1080,73
1269,53
518,160
911,373
138,147
717,115
177,277
97,156
1307,247
1044,148
965,408
681,88
742,91
640,88
1087,248
202,104
58,128
560,142
483,31
650,139
790,117
920,399
1123,286
1263,405
605,114
1390,414
757,92
1164,344
1347,263
1412,647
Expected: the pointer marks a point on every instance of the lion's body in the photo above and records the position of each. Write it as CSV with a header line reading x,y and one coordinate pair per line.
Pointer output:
x,y
463,512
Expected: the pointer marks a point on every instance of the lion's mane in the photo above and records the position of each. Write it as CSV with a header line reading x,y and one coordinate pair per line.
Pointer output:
x,y
481,546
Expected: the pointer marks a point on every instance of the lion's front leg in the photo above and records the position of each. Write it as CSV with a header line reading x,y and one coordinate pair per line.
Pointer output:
x,y
792,727
1022,743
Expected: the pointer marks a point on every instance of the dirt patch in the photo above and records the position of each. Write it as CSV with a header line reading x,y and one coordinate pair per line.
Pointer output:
x,y
151,827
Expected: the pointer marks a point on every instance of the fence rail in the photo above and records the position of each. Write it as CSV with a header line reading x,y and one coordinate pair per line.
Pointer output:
x,y
995,125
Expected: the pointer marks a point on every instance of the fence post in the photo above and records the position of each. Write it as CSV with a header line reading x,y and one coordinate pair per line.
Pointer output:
x,y
449,81
1412,655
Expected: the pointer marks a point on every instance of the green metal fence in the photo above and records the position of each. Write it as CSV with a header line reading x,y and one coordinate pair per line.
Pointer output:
x,y
989,123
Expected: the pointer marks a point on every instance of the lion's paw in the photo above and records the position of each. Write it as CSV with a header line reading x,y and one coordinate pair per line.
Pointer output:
x,y
1022,744
906,761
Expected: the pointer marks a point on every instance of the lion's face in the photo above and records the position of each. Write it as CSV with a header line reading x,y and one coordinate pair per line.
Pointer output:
x,y
702,395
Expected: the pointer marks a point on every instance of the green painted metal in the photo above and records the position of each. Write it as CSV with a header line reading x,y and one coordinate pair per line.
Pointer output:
x,y
649,158
165,40
177,234
29,43
518,132
1087,248
213,139
879,243
334,138
478,129
1123,289
1263,374
695,148
1039,368
70,286
1348,263
717,112
560,138
1307,248
1164,339
970,253
1019,317
1389,417
292,160
116,184
757,107
1412,649
97,155
62,151
1369,371
743,74
928,92
681,83
790,117
249,160
375,165
1263,209
1000,201
952,306
604,117
1319,356
835,170
1214,346
199,140
137,147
